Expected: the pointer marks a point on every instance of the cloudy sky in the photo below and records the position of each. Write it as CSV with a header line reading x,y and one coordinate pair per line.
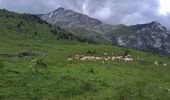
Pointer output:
x,y
109,11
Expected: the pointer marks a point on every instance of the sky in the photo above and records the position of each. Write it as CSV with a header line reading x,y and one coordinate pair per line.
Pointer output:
x,y
127,12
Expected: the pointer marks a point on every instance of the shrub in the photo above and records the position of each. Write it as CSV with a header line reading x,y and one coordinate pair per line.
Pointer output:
x,y
91,70
126,53
35,33
91,52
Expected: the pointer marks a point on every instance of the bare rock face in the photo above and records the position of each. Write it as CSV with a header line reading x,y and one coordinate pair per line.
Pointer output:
x,y
152,37
71,19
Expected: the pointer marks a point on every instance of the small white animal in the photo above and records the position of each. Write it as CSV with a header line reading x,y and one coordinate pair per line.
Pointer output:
x,y
105,54
69,59
128,59
164,64
156,63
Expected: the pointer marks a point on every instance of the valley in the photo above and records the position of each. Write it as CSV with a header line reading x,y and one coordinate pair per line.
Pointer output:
x,y
35,65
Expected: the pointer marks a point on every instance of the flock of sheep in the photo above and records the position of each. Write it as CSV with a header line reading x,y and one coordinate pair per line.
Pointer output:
x,y
160,63
106,58
127,58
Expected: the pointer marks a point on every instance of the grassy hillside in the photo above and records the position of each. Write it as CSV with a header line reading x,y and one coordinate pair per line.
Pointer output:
x,y
121,30
35,67
90,37
29,26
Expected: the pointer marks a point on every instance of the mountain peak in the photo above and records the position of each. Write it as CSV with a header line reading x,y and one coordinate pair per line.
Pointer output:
x,y
72,19
155,23
59,9
157,26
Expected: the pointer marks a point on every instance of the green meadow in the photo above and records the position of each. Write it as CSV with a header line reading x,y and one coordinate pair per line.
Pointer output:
x,y
34,66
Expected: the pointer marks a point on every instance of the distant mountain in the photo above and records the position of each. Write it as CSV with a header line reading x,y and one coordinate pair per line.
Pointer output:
x,y
71,19
151,36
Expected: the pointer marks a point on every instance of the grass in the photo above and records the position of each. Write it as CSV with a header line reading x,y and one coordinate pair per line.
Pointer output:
x,y
48,76
77,80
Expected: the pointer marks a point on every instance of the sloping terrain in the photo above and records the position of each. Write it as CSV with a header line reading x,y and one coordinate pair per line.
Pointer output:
x,y
151,37
71,19
29,26
34,66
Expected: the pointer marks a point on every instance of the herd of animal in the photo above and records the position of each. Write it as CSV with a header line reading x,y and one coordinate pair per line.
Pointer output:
x,y
127,58
106,58
160,63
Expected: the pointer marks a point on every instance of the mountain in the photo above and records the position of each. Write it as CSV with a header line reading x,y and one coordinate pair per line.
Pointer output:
x,y
151,37
31,26
84,27
71,19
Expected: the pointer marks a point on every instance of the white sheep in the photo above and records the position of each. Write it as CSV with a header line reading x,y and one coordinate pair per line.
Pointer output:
x,y
128,59
105,54
156,63
98,58
77,57
113,58
119,58
164,64
106,59
83,59
69,59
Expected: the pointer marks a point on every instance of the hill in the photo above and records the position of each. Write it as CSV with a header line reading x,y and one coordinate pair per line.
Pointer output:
x,y
35,65
29,26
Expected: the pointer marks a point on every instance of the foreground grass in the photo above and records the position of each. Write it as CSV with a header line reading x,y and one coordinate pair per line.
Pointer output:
x,y
22,79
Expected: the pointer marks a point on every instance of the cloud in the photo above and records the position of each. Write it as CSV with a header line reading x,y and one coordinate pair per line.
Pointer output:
x,y
109,11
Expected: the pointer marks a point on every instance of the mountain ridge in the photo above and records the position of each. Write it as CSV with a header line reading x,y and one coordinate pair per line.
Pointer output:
x,y
150,36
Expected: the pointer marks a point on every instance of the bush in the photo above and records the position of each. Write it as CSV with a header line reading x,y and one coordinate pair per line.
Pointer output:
x,y
35,33
126,53
91,70
91,52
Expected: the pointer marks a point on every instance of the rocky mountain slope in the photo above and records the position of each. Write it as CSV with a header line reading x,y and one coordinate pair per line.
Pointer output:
x,y
151,36
71,19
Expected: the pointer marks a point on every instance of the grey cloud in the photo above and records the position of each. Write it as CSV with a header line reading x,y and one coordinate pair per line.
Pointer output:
x,y
110,11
